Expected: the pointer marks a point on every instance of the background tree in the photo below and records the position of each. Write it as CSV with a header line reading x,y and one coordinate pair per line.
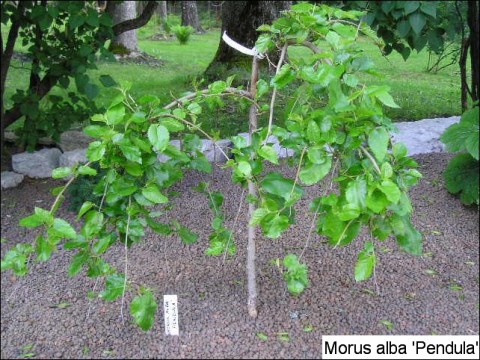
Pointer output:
x,y
126,42
411,25
190,16
64,39
240,19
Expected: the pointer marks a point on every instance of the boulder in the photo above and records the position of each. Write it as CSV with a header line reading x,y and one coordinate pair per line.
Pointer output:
x,y
423,136
10,179
70,158
74,139
215,152
38,164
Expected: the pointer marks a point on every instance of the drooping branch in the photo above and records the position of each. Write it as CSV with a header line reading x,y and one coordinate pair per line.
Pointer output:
x,y
135,23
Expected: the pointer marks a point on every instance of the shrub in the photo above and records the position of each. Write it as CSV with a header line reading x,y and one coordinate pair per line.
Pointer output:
x,y
183,33
461,175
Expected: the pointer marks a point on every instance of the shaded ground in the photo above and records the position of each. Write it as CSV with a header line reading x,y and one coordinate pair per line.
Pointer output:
x,y
437,293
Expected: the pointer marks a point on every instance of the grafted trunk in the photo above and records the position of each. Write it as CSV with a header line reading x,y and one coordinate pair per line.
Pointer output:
x,y
473,24
190,16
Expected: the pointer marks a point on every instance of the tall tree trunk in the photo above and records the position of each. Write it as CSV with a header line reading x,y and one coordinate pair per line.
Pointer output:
x,y
190,16
473,24
127,40
162,10
240,19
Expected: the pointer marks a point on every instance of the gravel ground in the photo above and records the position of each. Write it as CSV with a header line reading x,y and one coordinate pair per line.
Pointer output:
x,y
212,296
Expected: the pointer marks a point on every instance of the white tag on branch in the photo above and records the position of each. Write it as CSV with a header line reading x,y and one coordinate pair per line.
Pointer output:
x,y
241,48
171,314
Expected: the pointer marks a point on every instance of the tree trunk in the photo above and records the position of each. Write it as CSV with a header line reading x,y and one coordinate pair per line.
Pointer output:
x,y
240,19
126,41
190,16
162,10
473,24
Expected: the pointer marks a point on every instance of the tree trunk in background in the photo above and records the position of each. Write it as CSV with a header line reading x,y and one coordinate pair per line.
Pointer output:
x,y
162,10
473,24
240,19
124,11
190,16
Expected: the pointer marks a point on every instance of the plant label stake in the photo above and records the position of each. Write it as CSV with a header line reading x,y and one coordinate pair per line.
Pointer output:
x,y
171,314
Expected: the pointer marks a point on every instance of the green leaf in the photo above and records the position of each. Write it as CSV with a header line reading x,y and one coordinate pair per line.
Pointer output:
x,y
95,151
86,170
340,232
274,227
284,77
115,114
462,176
313,132
264,43
262,336
158,136
312,173
377,201
194,108
258,215
274,183
93,223
411,6
114,285
429,8
152,193
107,80
399,150
44,248
102,244
172,125
187,235
31,221
244,168
77,262
131,152
61,172
378,140
403,28
64,229
356,193
417,21
410,239
365,263
143,308
262,88
87,205
91,90
268,153
390,189
386,170
134,169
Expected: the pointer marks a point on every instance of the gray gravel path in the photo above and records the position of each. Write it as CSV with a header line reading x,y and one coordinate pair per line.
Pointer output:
x,y
212,297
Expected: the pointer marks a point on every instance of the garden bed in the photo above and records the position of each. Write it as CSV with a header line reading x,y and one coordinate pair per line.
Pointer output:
x,y
48,314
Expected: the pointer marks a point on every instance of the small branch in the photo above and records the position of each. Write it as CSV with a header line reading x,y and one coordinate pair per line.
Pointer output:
x,y
90,300
274,94
234,224
206,92
126,260
370,157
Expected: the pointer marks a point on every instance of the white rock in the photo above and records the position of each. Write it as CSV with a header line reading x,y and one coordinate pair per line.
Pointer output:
x,y
215,152
38,164
10,179
423,136
273,141
70,158
74,139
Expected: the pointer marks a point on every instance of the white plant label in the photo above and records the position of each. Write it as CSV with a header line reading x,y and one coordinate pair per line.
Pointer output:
x,y
171,314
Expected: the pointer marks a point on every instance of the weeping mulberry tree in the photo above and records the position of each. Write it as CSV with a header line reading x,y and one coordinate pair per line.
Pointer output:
x,y
335,128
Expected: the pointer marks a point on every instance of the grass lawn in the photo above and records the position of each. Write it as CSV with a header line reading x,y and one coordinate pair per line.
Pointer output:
x,y
419,94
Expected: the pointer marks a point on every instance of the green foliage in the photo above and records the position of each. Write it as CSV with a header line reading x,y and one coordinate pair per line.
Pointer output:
x,y
183,33
62,41
461,175
336,129
409,25
83,189
296,274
